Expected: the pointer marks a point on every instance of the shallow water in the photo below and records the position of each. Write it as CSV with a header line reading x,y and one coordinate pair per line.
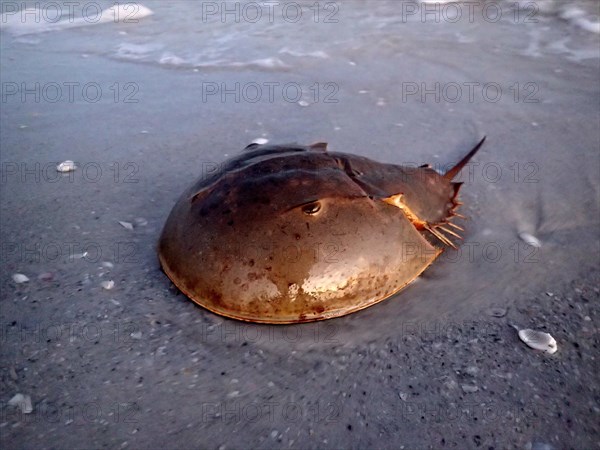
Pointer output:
x,y
156,103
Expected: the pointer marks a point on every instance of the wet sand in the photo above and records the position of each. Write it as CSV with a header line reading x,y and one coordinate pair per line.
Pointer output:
x,y
141,366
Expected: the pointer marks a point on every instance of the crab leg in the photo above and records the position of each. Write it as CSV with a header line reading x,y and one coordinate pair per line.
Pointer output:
x,y
449,232
440,236
454,213
455,226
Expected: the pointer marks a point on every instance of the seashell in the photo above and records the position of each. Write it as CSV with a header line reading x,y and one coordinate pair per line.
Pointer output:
x,y
20,278
497,312
530,239
23,402
140,221
538,340
66,166
108,284
127,225
469,389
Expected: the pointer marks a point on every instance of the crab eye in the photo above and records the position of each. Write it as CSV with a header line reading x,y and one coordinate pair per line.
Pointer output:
x,y
311,208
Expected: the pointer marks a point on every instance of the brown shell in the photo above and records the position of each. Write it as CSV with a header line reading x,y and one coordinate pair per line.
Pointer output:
x,y
296,234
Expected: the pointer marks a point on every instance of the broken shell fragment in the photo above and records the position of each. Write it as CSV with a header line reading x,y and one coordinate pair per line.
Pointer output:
x,y
20,278
136,335
497,312
23,402
538,340
127,225
108,284
530,239
66,166
140,221
469,389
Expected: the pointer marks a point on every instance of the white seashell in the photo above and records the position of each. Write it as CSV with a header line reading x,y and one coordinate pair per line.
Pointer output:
x,y
468,388
530,239
497,312
127,225
23,402
140,221
108,284
20,278
260,141
66,166
538,340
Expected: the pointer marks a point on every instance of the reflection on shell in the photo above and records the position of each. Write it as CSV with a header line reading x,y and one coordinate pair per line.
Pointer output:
x,y
538,340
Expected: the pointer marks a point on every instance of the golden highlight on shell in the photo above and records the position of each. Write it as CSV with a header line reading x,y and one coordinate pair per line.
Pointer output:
x,y
289,234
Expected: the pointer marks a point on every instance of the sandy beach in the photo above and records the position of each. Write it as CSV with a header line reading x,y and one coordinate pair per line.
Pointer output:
x,y
146,106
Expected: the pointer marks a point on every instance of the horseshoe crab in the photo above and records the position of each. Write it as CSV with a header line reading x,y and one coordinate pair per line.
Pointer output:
x,y
288,234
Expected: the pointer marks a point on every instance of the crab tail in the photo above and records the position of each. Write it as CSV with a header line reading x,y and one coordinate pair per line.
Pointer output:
x,y
463,162
445,230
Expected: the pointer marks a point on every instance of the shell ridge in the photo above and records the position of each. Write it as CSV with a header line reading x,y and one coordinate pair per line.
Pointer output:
x,y
369,190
